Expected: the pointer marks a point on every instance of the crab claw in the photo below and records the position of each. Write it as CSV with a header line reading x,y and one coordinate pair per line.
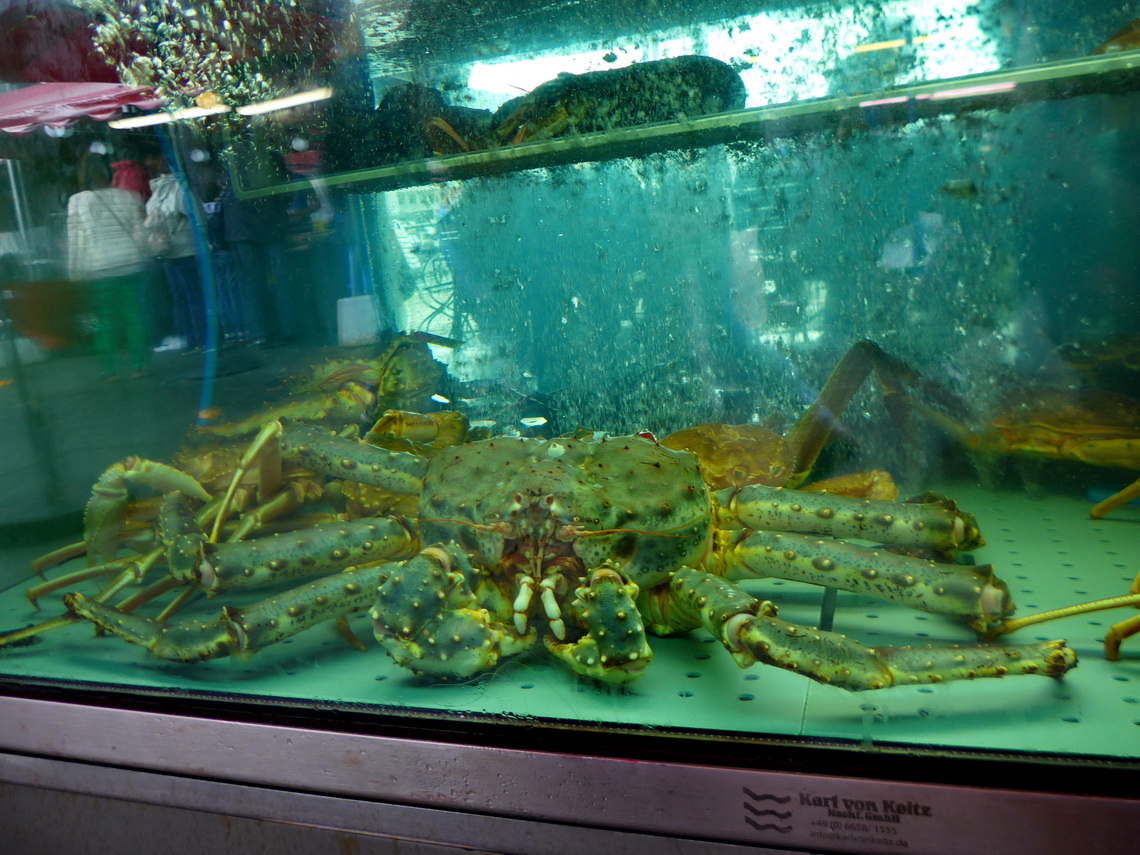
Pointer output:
x,y
105,518
614,648
429,621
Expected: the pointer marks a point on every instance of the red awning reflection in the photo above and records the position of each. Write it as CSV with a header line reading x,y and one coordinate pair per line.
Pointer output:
x,y
56,105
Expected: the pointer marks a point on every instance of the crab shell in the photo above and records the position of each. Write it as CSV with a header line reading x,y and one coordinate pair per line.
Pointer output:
x,y
570,505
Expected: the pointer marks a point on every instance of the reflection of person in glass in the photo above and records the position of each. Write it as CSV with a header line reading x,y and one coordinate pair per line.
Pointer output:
x,y
104,226
171,240
131,173
255,232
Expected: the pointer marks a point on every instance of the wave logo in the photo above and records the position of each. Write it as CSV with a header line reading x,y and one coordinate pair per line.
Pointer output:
x,y
758,816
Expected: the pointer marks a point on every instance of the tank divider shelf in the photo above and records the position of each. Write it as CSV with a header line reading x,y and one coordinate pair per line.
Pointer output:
x,y
1113,73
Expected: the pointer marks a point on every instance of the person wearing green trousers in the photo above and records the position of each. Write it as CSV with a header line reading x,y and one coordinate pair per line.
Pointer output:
x,y
117,303
105,250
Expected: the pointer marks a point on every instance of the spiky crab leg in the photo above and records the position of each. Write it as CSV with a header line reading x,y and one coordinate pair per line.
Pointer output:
x,y
348,404
128,572
324,548
427,617
750,631
614,648
972,594
768,545
238,632
211,567
929,521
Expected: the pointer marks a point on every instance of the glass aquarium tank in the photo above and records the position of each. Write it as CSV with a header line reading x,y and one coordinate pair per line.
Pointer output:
x,y
722,373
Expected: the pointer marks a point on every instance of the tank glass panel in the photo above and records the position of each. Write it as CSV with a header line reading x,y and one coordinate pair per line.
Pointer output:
x,y
746,369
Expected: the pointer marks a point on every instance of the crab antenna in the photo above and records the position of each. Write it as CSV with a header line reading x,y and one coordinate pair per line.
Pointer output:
x,y
468,523
1009,625
627,531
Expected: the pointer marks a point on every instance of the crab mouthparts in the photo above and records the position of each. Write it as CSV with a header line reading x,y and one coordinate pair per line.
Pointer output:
x,y
548,599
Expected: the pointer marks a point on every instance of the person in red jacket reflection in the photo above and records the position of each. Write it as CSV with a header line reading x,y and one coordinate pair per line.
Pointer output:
x,y
131,174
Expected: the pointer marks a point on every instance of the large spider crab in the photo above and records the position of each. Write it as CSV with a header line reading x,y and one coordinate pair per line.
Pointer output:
x,y
415,121
1045,423
402,376
587,543
468,552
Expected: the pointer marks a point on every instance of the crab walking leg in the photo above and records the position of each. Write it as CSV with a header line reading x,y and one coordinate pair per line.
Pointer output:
x,y
1116,635
1117,500
614,648
260,516
127,571
395,471
428,619
148,594
131,572
238,632
21,636
319,549
972,594
58,556
214,567
1112,639
330,455
930,521
294,555
750,631
67,580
